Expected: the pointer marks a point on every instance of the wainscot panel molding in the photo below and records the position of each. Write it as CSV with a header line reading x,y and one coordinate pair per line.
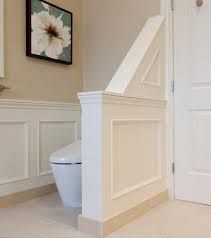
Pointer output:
x,y
16,133
46,129
30,132
139,135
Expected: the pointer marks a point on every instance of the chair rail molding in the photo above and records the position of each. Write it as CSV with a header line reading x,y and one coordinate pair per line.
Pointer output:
x,y
1,39
30,104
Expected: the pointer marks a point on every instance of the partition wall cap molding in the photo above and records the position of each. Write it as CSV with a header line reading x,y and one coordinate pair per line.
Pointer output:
x,y
112,98
30,104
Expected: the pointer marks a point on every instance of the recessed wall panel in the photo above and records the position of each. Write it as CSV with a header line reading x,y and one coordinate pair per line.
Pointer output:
x,y
153,72
54,135
136,152
13,151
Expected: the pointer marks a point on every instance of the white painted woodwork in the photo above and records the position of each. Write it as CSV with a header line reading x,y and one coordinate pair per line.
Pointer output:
x,y
123,131
142,72
14,134
123,152
63,132
192,101
128,138
166,10
1,39
30,132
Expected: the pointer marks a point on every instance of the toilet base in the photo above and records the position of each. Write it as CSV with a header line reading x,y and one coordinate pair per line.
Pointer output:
x,y
68,181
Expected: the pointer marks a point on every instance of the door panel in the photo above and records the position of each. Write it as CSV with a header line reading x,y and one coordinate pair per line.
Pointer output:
x,y
192,25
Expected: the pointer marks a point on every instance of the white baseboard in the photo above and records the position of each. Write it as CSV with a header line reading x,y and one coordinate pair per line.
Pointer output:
x,y
102,229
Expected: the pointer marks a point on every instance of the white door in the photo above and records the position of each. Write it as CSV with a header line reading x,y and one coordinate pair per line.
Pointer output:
x,y
192,25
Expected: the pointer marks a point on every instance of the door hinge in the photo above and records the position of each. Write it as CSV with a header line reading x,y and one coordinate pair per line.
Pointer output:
x,y
173,168
172,5
172,86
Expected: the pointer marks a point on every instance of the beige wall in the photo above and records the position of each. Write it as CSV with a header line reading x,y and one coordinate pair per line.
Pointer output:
x,y
111,27
36,79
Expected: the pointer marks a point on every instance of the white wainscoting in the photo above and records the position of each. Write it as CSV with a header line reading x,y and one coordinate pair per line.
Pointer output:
x,y
123,130
29,133
123,151
15,134
136,150
63,133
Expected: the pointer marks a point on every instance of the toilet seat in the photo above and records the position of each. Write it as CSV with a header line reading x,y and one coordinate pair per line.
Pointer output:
x,y
70,154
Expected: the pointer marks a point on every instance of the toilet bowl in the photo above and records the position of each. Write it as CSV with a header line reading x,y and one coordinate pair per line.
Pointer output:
x,y
66,165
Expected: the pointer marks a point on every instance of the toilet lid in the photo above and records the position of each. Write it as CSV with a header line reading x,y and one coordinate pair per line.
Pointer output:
x,y
70,154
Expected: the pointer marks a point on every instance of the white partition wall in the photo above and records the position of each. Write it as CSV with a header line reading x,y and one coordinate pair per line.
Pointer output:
x,y
29,133
123,131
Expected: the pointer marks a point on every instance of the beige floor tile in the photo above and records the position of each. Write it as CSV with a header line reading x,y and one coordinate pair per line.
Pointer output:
x,y
41,218
174,219
46,218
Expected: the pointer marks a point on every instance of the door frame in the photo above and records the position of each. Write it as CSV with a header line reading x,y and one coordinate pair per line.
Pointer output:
x,y
167,10
1,39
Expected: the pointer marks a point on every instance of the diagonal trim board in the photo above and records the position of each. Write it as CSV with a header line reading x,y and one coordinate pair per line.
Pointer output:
x,y
128,68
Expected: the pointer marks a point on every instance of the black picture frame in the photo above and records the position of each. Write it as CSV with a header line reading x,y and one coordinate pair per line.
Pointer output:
x,y
29,35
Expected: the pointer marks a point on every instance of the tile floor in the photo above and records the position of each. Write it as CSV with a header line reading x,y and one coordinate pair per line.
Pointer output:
x,y
46,218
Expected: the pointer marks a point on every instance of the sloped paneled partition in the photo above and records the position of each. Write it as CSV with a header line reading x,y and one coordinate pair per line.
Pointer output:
x,y
142,72
123,137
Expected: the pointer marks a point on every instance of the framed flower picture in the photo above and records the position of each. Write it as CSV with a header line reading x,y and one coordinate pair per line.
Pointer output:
x,y
48,32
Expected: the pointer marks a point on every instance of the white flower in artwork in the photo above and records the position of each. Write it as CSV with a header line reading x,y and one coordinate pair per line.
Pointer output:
x,y
49,35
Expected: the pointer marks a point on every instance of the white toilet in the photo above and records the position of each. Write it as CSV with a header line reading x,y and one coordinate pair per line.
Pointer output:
x,y
66,165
